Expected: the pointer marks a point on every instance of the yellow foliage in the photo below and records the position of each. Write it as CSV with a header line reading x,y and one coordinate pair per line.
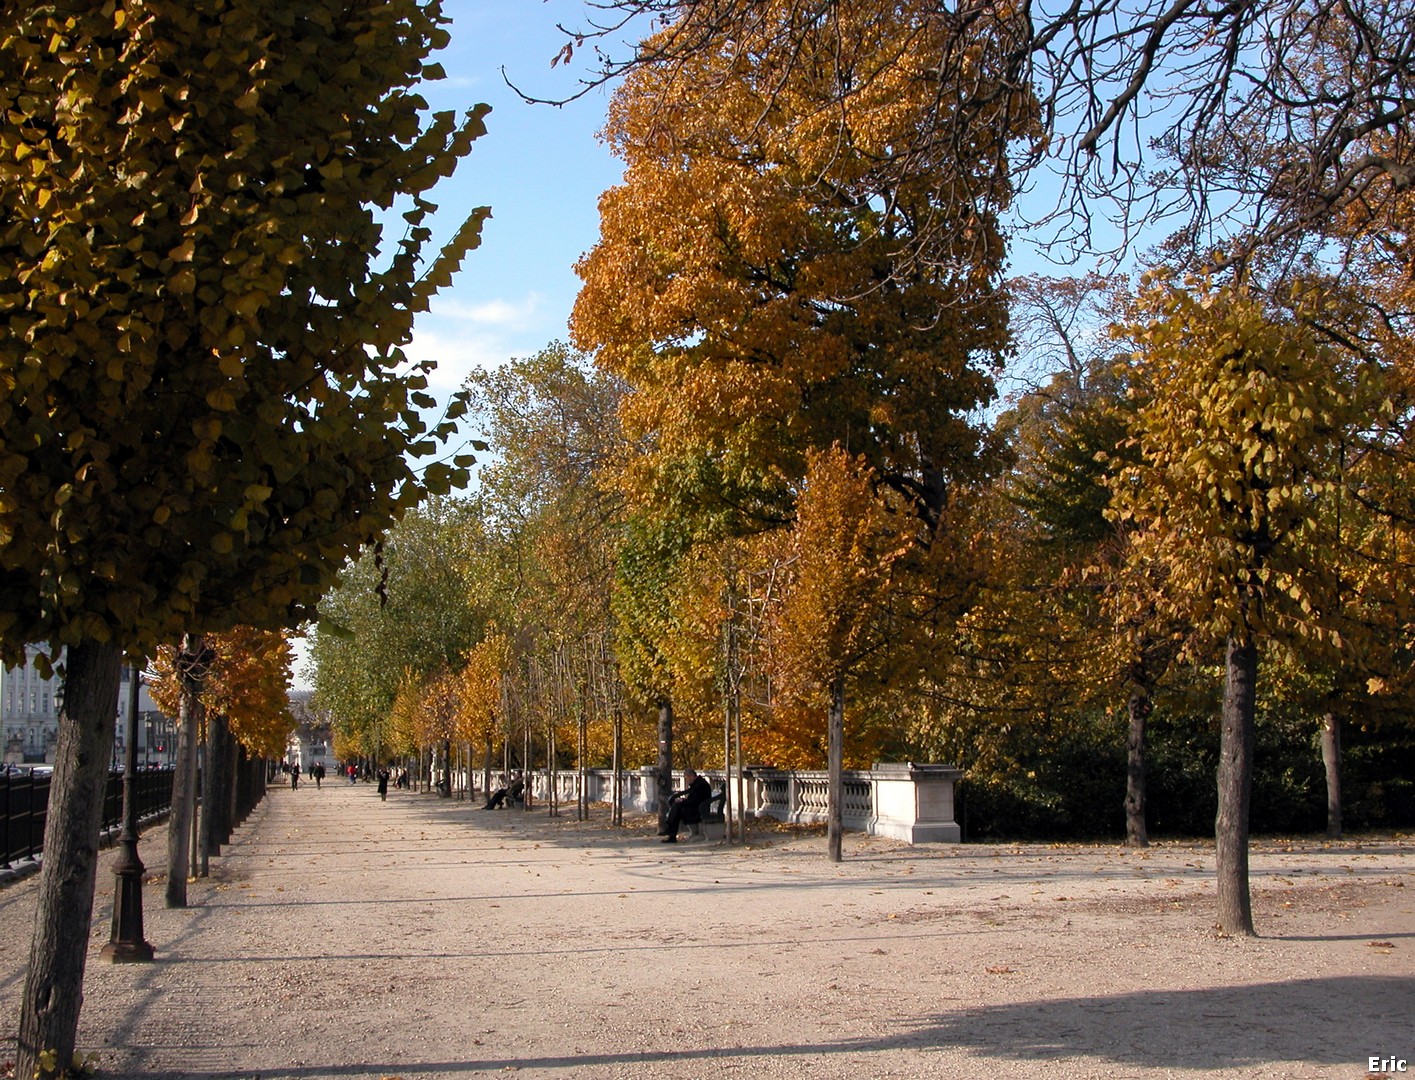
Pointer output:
x,y
841,555
1239,433
204,410
480,689
247,681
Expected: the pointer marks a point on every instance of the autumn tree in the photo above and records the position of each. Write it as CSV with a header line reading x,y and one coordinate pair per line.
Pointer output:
x,y
250,686
1068,433
1237,432
1251,127
749,282
498,589
832,619
753,287
247,707
411,607
482,694
400,731
1369,310
206,410
551,423
242,681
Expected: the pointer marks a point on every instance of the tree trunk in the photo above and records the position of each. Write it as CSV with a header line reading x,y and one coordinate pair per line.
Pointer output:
x,y
1235,787
241,789
741,780
731,706
184,775
231,785
552,777
212,795
194,833
835,754
617,764
1331,760
179,817
1140,705
582,803
486,768
727,830
665,759
53,994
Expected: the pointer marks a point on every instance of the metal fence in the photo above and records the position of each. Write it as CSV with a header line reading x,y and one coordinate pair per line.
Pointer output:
x,y
24,807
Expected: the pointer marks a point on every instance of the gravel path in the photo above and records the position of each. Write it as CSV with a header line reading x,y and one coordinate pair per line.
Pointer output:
x,y
340,936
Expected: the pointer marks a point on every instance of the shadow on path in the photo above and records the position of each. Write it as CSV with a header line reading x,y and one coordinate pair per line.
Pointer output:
x,y
1309,1020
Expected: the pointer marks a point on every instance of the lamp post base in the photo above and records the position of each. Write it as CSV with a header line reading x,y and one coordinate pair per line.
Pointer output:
x,y
127,952
126,945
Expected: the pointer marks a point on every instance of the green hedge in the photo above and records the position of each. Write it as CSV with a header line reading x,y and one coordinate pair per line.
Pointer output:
x,y
1074,788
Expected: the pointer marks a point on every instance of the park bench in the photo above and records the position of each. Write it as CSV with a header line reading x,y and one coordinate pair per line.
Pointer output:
x,y
713,825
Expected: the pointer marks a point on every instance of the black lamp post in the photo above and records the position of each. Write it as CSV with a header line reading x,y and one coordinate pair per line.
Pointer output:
x,y
126,944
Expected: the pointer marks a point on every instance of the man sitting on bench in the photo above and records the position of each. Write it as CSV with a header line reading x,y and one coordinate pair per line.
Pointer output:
x,y
686,806
514,792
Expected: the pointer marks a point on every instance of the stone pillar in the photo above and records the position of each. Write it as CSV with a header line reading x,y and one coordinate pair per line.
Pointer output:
x,y
647,801
914,803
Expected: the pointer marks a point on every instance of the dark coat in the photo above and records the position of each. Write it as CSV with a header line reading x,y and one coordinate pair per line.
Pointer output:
x,y
693,798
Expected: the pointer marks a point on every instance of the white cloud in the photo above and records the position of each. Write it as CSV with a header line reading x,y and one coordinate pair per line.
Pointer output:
x,y
461,337
509,314
456,355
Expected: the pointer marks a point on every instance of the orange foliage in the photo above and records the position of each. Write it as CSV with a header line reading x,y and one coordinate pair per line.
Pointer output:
x,y
247,681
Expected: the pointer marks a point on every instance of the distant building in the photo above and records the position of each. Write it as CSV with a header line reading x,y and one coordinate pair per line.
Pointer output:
x,y
29,711
312,739
29,705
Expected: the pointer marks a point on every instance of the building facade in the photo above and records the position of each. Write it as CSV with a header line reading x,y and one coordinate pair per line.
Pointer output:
x,y
311,742
29,712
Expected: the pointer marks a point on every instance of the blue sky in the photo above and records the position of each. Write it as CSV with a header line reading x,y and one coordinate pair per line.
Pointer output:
x,y
540,169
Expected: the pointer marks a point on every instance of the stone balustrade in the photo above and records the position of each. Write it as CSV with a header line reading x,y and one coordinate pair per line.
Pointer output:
x,y
905,801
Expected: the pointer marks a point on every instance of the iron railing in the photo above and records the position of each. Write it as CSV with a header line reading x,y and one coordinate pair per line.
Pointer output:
x,y
24,805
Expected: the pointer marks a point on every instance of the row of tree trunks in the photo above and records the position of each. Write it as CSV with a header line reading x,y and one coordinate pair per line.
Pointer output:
x,y
213,803
249,788
54,982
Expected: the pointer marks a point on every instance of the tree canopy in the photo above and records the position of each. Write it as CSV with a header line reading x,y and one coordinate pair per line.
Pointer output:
x,y
206,411
1247,127
753,284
